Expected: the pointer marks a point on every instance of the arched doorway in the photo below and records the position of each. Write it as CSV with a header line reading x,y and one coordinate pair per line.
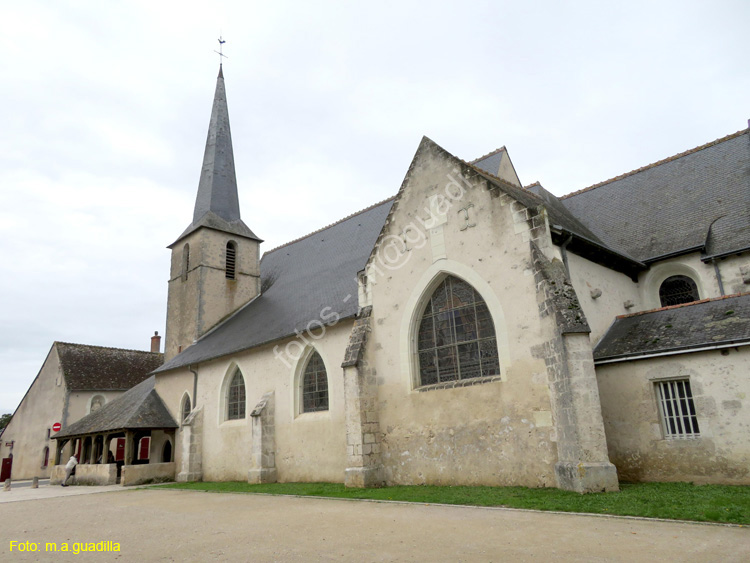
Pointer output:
x,y
166,453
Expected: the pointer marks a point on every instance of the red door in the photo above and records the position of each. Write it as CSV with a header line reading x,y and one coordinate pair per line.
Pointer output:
x,y
145,446
5,471
120,451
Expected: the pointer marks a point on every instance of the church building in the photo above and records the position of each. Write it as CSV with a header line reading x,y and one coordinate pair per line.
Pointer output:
x,y
467,331
470,330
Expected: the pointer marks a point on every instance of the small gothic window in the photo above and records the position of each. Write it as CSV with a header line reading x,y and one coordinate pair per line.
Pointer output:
x,y
236,397
456,338
186,407
676,290
45,460
231,260
185,261
315,385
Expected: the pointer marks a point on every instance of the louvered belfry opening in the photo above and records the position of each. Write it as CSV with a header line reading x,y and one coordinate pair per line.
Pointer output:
x,y
231,260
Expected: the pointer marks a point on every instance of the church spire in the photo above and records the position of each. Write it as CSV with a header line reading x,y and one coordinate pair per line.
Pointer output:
x,y
217,204
215,268
217,190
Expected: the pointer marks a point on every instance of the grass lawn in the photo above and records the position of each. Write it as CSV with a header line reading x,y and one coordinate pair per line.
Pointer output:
x,y
678,501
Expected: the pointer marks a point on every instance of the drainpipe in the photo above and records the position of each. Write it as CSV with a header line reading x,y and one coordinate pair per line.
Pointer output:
x,y
195,386
564,253
718,277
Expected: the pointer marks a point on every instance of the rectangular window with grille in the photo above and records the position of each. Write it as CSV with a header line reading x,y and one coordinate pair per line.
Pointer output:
x,y
677,409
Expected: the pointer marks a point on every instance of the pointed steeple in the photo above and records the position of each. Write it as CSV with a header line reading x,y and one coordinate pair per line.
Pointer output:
x,y
217,204
217,190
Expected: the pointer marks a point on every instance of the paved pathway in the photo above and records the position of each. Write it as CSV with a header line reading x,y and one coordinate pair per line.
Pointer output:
x,y
166,525
28,483
21,490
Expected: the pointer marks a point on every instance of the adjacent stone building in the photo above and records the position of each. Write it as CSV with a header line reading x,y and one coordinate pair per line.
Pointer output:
x,y
74,381
468,330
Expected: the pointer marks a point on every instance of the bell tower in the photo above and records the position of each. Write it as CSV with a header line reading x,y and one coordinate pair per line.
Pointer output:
x,y
215,262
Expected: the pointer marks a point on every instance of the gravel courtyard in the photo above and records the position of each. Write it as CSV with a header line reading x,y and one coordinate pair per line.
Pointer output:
x,y
163,525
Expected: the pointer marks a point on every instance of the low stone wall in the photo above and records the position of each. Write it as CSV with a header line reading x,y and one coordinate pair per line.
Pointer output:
x,y
147,473
57,475
86,474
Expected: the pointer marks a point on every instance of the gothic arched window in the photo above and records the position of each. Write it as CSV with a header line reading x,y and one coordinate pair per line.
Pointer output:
x,y
456,337
676,290
231,260
236,397
315,385
186,407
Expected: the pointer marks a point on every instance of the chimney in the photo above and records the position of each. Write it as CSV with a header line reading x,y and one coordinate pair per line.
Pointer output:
x,y
155,342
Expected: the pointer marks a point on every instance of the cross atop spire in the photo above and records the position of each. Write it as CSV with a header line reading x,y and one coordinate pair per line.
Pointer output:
x,y
221,54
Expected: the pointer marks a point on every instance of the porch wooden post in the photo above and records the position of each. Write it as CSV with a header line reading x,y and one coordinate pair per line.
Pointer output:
x,y
128,448
106,445
58,451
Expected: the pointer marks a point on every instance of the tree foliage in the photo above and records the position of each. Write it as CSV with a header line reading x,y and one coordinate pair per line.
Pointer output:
x,y
4,420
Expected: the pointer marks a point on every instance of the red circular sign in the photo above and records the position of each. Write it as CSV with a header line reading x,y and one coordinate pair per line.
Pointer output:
x,y
56,427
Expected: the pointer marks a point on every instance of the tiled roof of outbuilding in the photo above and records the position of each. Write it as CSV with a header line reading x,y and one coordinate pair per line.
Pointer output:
x,y
139,407
95,368
711,322
310,279
698,199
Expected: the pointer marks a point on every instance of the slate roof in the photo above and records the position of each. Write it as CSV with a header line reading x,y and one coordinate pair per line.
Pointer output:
x,y
696,200
725,320
95,368
490,162
311,278
139,407
587,243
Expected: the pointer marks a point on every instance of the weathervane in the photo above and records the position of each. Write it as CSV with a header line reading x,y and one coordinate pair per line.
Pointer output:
x,y
220,52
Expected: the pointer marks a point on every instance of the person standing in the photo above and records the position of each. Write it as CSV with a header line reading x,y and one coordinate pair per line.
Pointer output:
x,y
70,468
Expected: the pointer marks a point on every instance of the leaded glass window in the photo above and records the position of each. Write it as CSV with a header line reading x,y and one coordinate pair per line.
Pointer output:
x,y
186,408
236,397
676,290
315,385
456,338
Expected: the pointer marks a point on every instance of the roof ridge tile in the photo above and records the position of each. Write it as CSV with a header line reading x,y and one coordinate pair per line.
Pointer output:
x,y
489,154
699,302
659,162
107,348
373,206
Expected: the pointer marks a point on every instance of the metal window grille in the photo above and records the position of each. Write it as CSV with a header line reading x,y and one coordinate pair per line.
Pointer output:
x,y
186,408
315,385
231,260
236,398
676,290
677,409
456,338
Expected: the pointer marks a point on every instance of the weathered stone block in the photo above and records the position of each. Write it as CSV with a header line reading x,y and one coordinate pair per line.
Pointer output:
x,y
263,475
586,477
363,477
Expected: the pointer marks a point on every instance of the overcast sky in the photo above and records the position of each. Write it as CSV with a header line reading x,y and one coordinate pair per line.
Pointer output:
x,y
105,108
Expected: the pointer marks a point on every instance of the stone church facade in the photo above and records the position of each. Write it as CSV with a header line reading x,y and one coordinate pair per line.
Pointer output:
x,y
470,330
467,331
